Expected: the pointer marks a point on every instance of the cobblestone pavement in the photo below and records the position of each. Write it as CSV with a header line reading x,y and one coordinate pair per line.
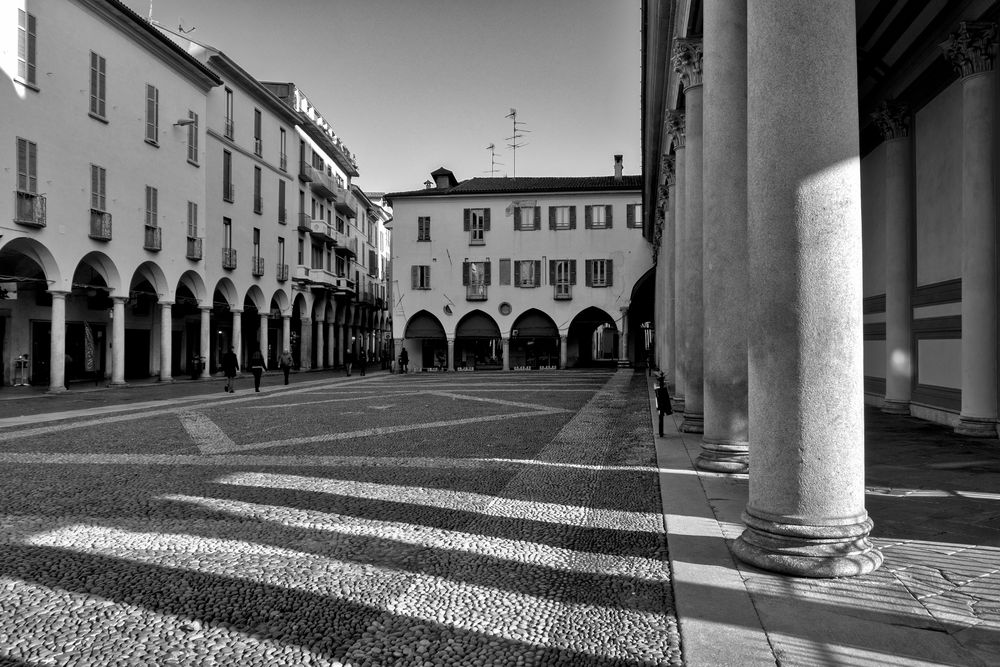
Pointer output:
x,y
428,519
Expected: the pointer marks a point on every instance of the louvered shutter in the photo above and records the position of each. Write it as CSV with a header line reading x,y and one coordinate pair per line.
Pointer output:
x,y
630,215
609,267
552,217
517,219
538,273
505,272
414,276
32,167
31,49
94,187
22,165
589,273
588,217
151,97
572,272
93,83
427,273
572,217
552,271
101,80
466,218
488,272
486,219
465,273
609,215
517,274
538,217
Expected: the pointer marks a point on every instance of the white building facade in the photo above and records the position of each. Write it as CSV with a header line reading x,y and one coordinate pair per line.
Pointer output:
x,y
519,273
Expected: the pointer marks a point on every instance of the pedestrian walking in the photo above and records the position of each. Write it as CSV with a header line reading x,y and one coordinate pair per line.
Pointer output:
x,y
257,368
230,364
285,363
362,361
348,360
404,360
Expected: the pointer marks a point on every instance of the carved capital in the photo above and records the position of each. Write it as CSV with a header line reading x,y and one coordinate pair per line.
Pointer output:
x,y
687,60
892,119
971,49
674,126
669,170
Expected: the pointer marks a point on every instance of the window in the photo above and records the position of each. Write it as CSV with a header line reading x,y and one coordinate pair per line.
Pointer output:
x,y
476,221
26,46
193,138
258,201
98,193
281,250
27,166
98,90
227,176
229,114
598,217
633,216
282,155
599,272
420,276
562,275
424,228
341,266
227,233
528,273
192,221
256,242
282,214
151,205
562,217
527,218
301,256
152,114
258,145
475,277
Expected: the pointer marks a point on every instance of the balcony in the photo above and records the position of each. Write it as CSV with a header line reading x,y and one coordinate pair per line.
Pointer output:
x,y
194,248
305,171
281,272
562,291
153,238
305,222
229,192
100,225
229,258
345,243
257,266
475,292
366,297
301,273
322,279
321,230
323,184
346,209
343,285
29,209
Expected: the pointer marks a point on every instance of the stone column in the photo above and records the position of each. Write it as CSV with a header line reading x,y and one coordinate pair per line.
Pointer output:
x,y
893,121
724,446
506,354
237,340
668,256
305,344
166,341
263,336
563,352
451,354
623,339
118,340
806,511
687,61
675,125
320,344
286,333
206,339
57,343
338,336
971,51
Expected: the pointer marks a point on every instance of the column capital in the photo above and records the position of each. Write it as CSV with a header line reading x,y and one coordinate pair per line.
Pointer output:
x,y
165,304
970,50
236,311
205,309
670,170
58,293
687,60
892,119
120,299
306,320
674,126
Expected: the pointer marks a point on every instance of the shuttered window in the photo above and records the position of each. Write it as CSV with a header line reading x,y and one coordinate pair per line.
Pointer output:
x,y
633,216
528,273
227,176
420,276
98,183
258,200
192,138
476,221
98,84
27,166
527,218
192,220
562,217
599,273
598,217
26,27
258,144
152,114
562,271
424,228
152,195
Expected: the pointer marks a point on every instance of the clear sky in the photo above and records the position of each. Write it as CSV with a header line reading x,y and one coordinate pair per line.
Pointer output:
x,y
413,85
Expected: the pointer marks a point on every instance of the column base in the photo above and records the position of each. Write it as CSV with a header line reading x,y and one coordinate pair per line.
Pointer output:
x,y
724,456
168,380
808,551
117,385
894,407
623,363
676,402
56,390
694,422
977,427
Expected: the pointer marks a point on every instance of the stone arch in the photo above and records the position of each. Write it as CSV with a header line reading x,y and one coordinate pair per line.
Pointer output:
x,y
27,258
195,284
280,300
150,273
478,343
225,294
534,341
425,340
103,266
592,339
639,327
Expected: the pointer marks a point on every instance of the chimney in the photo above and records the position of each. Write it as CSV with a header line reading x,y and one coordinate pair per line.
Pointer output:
x,y
618,168
428,184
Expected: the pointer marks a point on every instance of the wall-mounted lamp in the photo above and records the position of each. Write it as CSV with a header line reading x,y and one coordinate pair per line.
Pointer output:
x,y
182,122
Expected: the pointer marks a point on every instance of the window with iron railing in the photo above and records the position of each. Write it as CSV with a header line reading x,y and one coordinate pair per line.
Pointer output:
x,y
100,225
194,248
29,208
229,258
282,272
153,238
257,267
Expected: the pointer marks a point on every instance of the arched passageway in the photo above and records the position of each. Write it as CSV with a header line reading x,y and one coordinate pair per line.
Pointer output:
x,y
478,344
429,347
534,341
592,339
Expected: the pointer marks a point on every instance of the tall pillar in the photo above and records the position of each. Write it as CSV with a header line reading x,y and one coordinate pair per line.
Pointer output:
x,y
971,51
286,333
724,446
118,340
687,60
305,344
893,121
506,354
668,256
166,340
206,339
320,344
806,510
675,126
331,338
563,352
237,341
451,354
262,331
623,339
338,335
57,343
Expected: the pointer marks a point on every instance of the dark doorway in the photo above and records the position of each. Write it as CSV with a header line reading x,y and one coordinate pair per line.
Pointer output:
x,y
137,346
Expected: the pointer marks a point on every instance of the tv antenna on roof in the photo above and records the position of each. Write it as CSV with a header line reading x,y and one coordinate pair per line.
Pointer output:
x,y
514,140
493,159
